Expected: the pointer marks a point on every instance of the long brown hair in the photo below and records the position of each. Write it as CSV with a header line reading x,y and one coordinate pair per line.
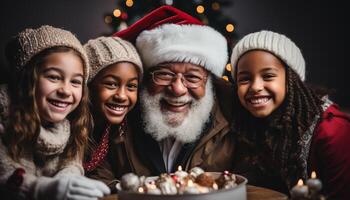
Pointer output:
x,y
24,119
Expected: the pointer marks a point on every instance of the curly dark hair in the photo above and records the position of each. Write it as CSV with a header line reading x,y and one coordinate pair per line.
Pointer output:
x,y
284,127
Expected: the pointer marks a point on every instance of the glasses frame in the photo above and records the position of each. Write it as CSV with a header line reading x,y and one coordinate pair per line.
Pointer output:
x,y
183,79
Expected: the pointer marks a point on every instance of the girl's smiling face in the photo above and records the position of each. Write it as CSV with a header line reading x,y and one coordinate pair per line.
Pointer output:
x,y
59,86
114,91
261,82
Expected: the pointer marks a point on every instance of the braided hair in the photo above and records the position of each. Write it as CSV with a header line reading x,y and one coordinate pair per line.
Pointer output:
x,y
286,126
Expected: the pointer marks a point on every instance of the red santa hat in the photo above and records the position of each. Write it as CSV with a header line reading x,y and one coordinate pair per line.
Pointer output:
x,y
170,35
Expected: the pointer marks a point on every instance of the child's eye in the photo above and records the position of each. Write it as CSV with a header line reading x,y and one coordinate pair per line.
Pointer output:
x,y
110,84
243,80
132,86
77,82
269,76
53,77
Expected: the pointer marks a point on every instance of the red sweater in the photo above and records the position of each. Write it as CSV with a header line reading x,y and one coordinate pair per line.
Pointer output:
x,y
330,153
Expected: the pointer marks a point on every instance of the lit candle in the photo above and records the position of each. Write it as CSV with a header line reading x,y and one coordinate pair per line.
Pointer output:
x,y
299,191
314,184
180,174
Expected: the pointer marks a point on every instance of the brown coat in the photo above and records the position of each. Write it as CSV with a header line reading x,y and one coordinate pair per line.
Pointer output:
x,y
137,152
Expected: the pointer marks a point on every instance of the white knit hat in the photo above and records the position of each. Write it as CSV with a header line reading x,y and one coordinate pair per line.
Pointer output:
x,y
277,44
191,43
104,51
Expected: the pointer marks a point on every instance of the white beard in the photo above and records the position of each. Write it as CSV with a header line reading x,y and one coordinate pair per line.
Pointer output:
x,y
185,129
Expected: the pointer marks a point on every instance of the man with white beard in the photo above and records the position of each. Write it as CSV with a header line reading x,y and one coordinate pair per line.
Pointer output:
x,y
182,121
185,106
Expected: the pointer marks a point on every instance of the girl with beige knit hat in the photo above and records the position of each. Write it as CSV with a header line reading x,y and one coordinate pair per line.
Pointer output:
x,y
115,73
46,125
285,129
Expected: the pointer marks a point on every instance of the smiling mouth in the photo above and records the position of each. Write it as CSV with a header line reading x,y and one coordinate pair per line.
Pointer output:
x,y
258,101
59,104
117,109
175,106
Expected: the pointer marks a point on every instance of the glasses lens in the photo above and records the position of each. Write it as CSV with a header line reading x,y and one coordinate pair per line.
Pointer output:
x,y
190,80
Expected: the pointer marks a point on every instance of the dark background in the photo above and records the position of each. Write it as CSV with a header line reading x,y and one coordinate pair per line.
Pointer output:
x,y
317,27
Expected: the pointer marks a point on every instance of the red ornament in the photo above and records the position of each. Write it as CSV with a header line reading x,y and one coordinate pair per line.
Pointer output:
x,y
124,16
175,178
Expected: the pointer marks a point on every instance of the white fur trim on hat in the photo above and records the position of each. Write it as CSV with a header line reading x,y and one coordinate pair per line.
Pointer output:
x,y
278,44
196,44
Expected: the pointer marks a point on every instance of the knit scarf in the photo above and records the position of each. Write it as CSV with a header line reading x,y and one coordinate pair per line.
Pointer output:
x,y
53,140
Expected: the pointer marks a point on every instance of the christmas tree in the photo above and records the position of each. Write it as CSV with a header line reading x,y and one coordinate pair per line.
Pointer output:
x,y
208,11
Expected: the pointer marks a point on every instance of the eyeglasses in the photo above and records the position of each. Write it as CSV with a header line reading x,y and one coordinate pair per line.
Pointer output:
x,y
190,80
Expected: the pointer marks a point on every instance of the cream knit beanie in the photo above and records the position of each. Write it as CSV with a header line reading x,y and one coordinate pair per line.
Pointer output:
x,y
277,44
104,51
30,42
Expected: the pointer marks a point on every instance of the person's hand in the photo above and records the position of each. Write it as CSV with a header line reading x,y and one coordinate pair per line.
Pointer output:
x,y
70,188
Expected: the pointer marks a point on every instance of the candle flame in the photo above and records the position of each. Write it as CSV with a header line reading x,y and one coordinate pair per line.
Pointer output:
x,y
190,183
140,190
313,174
179,168
300,182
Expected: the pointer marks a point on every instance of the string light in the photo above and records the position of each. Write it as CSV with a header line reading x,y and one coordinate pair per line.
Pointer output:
x,y
225,78
215,6
117,13
200,9
129,3
230,28
169,2
108,19
229,67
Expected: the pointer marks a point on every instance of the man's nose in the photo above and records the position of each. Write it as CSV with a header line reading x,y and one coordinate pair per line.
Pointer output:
x,y
177,87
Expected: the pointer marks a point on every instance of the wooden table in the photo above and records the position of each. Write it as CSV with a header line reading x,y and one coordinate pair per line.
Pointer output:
x,y
253,193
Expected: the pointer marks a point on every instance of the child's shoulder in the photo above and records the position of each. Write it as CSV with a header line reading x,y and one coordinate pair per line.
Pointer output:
x,y
334,123
334,113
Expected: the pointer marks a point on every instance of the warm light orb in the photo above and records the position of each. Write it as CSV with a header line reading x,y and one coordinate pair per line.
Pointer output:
x,y
230,28
129,3
117,13
215,6
108,19
313,174
229,67
225,78
200,9
140,190
300,182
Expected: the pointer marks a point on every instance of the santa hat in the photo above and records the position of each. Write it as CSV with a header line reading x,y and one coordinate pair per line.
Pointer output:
x,y
170,35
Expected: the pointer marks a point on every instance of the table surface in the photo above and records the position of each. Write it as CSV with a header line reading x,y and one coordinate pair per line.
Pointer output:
x,y
253,193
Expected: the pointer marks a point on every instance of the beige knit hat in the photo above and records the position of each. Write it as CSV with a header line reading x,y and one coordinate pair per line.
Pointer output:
x,y
277,44
30,42
104,51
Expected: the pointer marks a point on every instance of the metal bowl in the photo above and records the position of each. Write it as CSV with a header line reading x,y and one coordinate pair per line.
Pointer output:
x,y
237,193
